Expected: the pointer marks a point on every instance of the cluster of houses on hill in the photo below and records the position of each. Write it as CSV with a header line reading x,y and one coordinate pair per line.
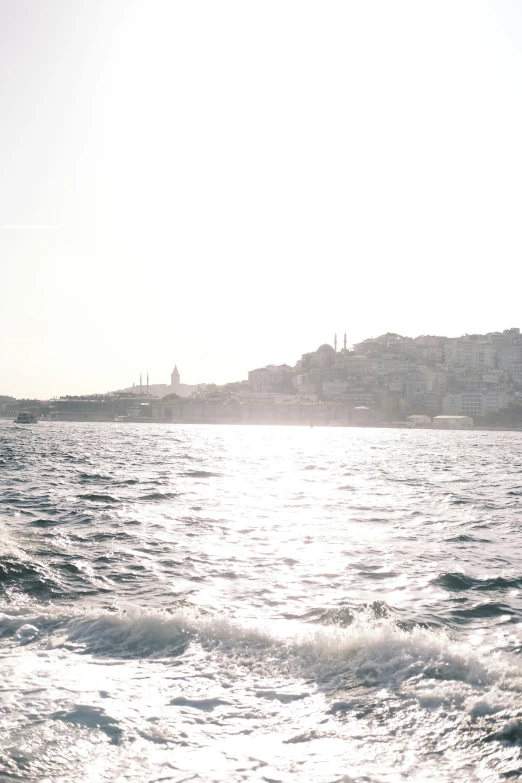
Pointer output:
x,y
463,376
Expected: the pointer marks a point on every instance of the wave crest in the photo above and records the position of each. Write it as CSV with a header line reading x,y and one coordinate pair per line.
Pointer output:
x,y
365,652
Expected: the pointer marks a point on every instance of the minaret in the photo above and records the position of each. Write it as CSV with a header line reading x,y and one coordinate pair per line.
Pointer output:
x,y
147,383
141,384
345,341
335,343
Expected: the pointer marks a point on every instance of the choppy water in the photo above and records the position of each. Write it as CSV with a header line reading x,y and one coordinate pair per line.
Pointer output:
x,y
259,603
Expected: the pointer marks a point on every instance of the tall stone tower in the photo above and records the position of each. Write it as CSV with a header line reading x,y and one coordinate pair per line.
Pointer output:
x,y
174,379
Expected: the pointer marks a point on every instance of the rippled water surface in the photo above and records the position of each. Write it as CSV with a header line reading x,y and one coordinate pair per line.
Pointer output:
x,y
259,603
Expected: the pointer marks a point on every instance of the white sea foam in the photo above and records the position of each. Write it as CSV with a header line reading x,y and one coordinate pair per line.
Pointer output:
x,y
377,652
26,633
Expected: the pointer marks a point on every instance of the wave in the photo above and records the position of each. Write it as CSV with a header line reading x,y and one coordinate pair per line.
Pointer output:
x,y
456,581
367,652
99,498
346,614
28,577
19,571
26,572
33,578
160,496
42,522
468,539
199,474
484,610
91,717
207,705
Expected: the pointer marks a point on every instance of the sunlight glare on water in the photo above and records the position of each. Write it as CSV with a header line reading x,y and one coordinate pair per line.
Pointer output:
x,y
259,603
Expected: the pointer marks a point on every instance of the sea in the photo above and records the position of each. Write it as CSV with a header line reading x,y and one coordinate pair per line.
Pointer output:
x,y
256,603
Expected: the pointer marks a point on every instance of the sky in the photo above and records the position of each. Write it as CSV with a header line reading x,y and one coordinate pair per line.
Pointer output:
x,y
226,185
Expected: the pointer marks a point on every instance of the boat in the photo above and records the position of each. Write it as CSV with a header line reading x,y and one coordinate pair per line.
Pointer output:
x,y
26,417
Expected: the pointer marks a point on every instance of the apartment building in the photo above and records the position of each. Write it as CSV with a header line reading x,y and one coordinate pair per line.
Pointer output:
x,y
273,378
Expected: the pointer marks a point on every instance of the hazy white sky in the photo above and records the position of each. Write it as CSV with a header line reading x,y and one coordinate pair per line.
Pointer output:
x,y
225,184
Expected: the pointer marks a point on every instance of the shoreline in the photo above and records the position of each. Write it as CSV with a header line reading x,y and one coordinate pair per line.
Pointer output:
x,y
322,424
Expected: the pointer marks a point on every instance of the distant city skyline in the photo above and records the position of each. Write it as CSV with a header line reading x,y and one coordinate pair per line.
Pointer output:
x,y
509,363
389,379
180,193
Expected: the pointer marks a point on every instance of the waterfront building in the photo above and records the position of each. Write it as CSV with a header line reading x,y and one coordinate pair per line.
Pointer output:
x,y
419,420
290,412
453,422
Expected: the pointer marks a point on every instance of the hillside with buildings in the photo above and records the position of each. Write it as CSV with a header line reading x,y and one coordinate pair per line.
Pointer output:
x,y
381,380
469,375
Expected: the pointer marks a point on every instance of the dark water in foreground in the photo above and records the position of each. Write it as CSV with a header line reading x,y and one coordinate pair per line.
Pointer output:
x,y
259,603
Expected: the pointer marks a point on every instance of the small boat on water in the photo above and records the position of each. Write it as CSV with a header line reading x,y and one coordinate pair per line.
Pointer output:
x,y
26,417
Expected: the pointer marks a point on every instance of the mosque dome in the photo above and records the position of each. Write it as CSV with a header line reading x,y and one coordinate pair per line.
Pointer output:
x,y
325,348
